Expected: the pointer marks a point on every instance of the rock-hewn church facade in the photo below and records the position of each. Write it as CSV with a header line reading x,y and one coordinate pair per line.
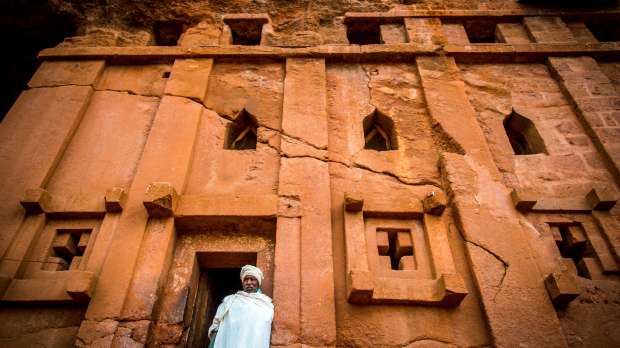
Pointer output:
x,y
427,175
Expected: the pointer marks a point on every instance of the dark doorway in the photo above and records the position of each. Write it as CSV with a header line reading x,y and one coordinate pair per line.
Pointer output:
x,y
219,277
215,284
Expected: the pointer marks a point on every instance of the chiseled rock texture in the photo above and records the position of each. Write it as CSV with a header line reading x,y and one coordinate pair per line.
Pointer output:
x,y
405,173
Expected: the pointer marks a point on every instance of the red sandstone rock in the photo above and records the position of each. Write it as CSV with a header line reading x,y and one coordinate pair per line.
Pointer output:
x,y
134,202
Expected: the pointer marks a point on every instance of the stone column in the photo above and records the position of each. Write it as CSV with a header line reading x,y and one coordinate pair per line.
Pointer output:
x,y
188,82
548,30
509,283
511,33
36,131
304,119
450,110
425,31
287,281
166,158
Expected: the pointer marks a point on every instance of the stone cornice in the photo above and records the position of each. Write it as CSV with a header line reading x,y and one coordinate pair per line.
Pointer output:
x,y
491,52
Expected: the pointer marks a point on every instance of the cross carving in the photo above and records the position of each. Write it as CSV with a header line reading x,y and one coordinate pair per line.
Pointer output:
x,y
395,249
573,244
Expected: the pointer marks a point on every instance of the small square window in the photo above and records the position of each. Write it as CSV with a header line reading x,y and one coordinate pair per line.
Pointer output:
x,y
246,30
67,249
480,31
360,33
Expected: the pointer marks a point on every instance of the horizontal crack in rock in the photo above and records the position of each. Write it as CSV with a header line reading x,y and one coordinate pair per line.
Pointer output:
x,y
60,85
127,91
412,183
426,338
196,100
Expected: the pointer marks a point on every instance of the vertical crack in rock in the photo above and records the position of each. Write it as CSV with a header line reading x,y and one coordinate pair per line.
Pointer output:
x,y
505,265
368,85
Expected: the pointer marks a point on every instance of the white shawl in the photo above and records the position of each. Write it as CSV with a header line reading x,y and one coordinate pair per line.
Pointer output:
x,y
243,320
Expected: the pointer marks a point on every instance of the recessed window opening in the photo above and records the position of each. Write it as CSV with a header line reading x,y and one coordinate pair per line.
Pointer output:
x,y
395,244
573,244
219,277
523,136
604,30
364,34
242,133
379,133
167,33
166,74
480,31
246,32
69,246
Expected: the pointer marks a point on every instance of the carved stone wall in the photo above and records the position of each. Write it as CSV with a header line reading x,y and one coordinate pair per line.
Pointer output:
x,y
424,176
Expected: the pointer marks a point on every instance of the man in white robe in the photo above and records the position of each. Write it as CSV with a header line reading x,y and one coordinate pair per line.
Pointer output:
x,y
243,320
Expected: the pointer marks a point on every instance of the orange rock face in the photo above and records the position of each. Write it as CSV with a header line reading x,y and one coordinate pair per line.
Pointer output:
x,y
429,176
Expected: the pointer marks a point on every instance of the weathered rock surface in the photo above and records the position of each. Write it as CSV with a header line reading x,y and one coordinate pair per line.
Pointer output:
x,y
418,189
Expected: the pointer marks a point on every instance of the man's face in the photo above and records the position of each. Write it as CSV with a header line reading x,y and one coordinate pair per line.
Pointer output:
x,y
250,284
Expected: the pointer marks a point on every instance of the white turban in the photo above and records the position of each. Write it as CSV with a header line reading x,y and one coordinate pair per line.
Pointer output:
x,y
253,271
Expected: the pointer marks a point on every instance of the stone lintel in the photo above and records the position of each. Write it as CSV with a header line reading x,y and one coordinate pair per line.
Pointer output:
x,y
36,291
56,287
602,199
231,18
161,199
36,201
115,198
528,201
67,205
562,288
408,291
363,287
265,205
393,207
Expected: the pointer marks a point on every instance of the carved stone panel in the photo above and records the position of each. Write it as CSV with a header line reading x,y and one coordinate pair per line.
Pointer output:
x,y
397,253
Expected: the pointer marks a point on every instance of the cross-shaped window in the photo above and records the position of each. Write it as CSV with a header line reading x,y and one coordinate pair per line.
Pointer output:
x,y
395,249
573,243
67,249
